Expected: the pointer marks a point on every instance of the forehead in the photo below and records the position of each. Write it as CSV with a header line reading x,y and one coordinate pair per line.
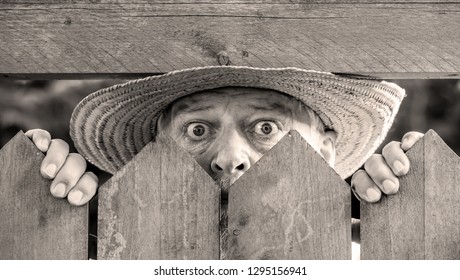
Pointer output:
x,y
265,98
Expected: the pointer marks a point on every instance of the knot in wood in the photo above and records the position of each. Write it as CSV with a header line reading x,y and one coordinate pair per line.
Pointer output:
x,y
67,21
223,58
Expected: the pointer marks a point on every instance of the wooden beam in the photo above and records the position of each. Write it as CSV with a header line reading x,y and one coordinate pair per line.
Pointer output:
x,y
389,39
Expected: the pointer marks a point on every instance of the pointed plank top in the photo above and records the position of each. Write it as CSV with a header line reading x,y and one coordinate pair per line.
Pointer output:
x,y
34,224
161,205
290,205
421,220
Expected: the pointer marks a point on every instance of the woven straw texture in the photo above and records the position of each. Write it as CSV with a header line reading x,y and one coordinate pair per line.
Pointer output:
x,y
110,126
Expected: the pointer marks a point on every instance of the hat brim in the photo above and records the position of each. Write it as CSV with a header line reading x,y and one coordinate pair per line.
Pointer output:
x,y
110,126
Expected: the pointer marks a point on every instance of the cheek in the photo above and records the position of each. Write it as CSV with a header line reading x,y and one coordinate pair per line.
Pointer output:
x,y
262,145
204,160
196,149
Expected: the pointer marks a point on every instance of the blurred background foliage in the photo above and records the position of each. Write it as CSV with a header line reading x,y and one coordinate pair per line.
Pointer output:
x,y
430,104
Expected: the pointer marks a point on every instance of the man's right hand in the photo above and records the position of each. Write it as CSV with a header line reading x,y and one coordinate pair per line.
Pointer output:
x,y
67,170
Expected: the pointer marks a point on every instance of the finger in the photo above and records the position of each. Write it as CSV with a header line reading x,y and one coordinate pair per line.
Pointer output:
x,y
409,139
381,174
40,137
364,188
395,158
68,175
84,190
55,158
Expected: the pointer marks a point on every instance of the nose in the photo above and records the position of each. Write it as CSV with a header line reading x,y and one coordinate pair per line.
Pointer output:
x,y
233,157
229,166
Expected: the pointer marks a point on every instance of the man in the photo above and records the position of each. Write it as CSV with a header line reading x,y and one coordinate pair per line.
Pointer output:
x,y
227,118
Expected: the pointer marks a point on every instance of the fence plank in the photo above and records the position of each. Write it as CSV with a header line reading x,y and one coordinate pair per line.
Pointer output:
x,y
161,205
384,38
421,221
33,224
290,205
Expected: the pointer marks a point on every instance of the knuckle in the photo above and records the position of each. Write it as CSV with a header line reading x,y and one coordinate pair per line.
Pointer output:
x,y
394,143
77,158
391,145
412,135
31,132
375,157
44,133
373,161
360,180
408,134
358,175
415,133
92,176
61,143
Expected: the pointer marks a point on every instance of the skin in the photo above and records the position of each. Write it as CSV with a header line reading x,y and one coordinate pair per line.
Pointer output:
x,y
227,130
238,126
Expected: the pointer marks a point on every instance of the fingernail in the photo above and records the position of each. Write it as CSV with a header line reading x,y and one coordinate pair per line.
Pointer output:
x,y
389,186
59,190
43,145
372,195
50,170
398,166
75,196
405,142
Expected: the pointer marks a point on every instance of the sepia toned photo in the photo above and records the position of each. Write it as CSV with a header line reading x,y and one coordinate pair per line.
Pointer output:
x,y
229,130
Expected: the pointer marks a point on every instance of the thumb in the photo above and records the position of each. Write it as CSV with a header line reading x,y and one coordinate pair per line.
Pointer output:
x,y
40,137
409,139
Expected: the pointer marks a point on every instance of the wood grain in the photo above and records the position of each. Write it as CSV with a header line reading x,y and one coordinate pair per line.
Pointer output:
x,y
389,39
290,205
161,205
33,224
421,221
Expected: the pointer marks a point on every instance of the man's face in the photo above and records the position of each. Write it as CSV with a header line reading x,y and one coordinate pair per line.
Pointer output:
x,y
228,129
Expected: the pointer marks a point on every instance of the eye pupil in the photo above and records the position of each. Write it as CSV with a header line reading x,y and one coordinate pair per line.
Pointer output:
x,y
198,130
266,128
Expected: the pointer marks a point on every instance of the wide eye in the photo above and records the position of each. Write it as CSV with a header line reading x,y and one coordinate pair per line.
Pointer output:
x,y
266,128
197,131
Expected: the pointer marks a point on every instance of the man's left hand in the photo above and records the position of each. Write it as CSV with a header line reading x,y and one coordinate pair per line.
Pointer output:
x,y
381,171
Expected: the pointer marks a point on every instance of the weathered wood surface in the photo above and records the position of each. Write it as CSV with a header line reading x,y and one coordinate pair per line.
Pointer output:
x,y
161,205
290,205
390,39
33,224
422,220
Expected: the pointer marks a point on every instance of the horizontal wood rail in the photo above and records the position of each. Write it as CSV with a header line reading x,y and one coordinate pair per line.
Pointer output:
x,y
93,39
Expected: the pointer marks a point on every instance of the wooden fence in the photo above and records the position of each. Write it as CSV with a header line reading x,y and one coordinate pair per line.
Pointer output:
x,y
289,205
178,218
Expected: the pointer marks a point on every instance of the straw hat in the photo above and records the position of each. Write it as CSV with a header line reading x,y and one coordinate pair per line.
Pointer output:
x,y
110,126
